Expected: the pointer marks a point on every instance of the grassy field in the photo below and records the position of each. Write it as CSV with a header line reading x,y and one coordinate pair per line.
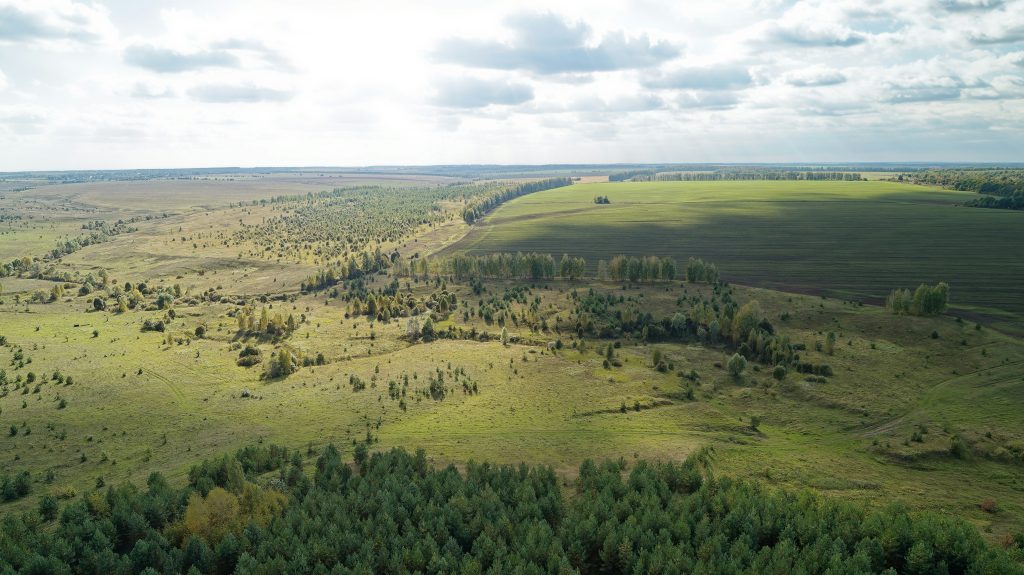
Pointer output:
x,y
846,239
848,438
139,403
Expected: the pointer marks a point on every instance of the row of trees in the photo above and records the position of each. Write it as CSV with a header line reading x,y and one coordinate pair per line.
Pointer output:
x,y
925,300
699,272
532,266
392,513
483,203
730,174
634,269
536,266
771,175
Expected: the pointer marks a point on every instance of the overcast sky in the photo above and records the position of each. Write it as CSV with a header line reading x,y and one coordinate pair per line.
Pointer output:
x,y
126,83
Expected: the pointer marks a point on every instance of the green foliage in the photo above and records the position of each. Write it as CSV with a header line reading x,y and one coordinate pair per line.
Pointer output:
x,y
283,363
779,372
398,515
48,507
698,271
480,205
641,269
501,266
926,300
830,343
736,365
958,447
15,487
1002,188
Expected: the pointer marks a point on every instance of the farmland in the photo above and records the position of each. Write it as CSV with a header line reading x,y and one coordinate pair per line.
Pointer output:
x,y
852,240
922,410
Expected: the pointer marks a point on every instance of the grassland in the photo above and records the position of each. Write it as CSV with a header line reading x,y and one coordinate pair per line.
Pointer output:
x,y
845,239
141,402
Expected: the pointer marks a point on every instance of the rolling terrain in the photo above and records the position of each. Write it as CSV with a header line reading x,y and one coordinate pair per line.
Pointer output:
x,y
901,393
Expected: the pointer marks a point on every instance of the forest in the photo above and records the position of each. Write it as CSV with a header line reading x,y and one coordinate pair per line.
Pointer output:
x,y
1000,188
259,512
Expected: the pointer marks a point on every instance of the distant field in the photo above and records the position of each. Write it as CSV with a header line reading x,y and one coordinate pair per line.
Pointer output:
x,y
148,196
853,239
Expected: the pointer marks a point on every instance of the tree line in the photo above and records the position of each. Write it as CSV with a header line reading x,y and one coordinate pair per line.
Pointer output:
x,y
734,175
536,266
257,512
770,175
479,205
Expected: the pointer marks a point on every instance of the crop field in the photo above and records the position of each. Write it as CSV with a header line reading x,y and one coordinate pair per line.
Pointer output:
x,y
846,239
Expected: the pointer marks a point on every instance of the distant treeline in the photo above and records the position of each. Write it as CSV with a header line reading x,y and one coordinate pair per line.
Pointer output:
x,y
537,266
480,205
635,175
1003,188
393,513
758,175
730,175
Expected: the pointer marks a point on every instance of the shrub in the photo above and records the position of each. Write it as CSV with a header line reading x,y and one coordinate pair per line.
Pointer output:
x,y
737,364
755,422
48,507
958,447
779,372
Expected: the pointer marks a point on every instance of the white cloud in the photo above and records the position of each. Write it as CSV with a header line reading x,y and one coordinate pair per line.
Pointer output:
x,y
149,91
166,60
233,83
816,76
468,92
708,100
718,77
547,44
238,93
54,22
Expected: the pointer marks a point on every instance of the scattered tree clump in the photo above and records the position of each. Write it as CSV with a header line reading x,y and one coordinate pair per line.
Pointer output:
x,y
926,300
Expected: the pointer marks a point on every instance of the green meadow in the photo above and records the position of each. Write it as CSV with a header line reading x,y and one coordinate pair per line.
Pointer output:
x,y
879,429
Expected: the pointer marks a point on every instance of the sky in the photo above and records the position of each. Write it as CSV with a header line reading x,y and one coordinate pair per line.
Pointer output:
x,y
141,84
